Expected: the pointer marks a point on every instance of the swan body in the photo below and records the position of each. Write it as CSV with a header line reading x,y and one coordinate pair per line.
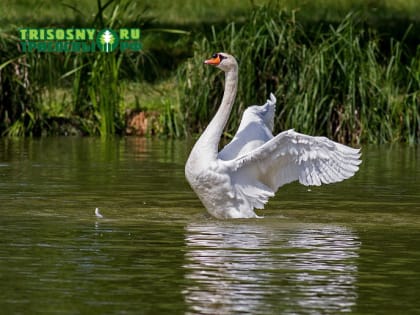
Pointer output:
x,y
249,170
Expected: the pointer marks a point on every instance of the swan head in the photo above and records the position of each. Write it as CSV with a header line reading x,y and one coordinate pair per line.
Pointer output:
x,y
223,61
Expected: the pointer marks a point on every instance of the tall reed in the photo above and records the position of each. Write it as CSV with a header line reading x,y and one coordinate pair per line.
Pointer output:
x,y
28,79
336,82
96,87
97,78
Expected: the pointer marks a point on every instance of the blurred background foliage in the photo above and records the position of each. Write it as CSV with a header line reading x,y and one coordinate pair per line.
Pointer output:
x,y
346,69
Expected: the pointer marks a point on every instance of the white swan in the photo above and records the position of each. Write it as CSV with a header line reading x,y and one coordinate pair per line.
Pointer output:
x,y
250,169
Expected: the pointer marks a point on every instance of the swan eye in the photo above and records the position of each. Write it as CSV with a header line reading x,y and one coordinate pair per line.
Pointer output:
x,y
222,57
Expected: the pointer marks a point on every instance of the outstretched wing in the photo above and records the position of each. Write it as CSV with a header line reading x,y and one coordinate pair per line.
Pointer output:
x,y
288,157
254,130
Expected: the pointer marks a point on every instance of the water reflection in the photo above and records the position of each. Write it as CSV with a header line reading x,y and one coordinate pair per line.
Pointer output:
x,y
155,253
255,269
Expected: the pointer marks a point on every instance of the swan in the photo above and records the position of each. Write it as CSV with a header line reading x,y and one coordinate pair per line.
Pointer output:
x,y
249,170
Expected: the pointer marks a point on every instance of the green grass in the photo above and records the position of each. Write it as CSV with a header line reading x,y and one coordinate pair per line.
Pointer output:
x,y
187,12
29,12
338,83
355,79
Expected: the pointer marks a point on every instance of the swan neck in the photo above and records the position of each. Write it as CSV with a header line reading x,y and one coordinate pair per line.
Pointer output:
x,y
223,113
210,138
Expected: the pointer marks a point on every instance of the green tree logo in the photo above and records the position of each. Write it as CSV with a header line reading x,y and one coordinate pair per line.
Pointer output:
x,y
107,40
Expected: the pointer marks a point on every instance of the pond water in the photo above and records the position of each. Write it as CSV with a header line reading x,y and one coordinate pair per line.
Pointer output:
x,y
352,247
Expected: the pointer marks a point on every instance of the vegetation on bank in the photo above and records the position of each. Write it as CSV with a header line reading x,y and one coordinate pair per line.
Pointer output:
x,y
338,82
343,76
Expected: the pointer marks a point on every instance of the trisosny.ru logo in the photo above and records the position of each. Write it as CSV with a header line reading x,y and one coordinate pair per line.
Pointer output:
x,y
79,39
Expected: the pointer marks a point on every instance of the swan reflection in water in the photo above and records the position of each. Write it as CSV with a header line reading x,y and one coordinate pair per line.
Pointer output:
x,y
255,269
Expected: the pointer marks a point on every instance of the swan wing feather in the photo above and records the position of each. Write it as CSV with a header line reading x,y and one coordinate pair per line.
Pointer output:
x,y
288,157
254,130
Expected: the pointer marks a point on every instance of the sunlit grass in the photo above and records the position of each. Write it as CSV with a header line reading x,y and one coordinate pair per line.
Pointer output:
x,y
332,75
147,96
338,83
206,11
165,11
334,9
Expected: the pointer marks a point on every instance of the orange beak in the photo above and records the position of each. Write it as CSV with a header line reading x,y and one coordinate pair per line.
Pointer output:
x,y
213,61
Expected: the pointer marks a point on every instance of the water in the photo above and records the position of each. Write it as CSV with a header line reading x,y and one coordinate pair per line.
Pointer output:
x,y
349,248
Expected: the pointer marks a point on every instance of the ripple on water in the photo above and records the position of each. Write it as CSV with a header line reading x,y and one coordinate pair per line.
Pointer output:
x,y
254,268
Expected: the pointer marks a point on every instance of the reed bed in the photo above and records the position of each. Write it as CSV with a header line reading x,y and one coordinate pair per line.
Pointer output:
x,y
93,81
341,78
336,82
